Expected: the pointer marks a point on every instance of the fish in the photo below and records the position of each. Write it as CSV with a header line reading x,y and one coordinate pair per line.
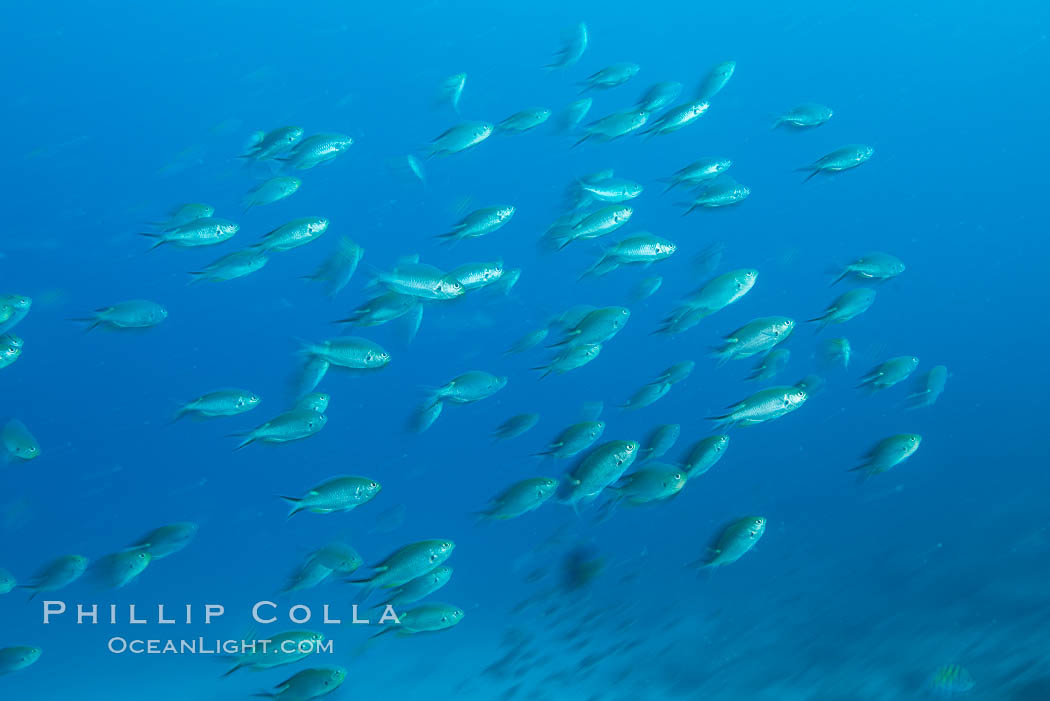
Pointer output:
x,y
274,143
167,540
459,138
337,270
199,232
698,172
290,426
316,150
705,454
575,439
611,76
888,453
722,193
715,80
874,266
308,684
659,96
599,469
930,388
15,659
17,442
57,574
520,498
232,266
806,115
844,158
480,222
764,405
225,402
516,426
338,494
574,45
425,618
889,373
270,191
525,120
736,540
133,314
452,89
845,307
293,234
678,117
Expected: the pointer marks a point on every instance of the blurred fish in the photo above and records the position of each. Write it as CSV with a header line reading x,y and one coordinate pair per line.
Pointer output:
x,y
950,681
647,395
337,270
270,191
651,483
273,143
316,150
677,372
520,498
184,214
811,385
698,172
232,266
57,574
770,366
805,115
307,684
662,440
7,581
425,618
419,588
611,76
722,193
460,138
571,358
888,453
575,43
516,426
525,120
575,112
717,294
382,309
283,648
17,442
837,351
117,570
15,659
659,96
390,520
338,557
528,341
646,288
594,225
715,80
930,388
472,386
167,540
452,89
614,126
313,401
596,326
874,266
575,439
889,373
847,306
480,222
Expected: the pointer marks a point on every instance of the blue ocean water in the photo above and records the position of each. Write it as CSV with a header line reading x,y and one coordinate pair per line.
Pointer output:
x,y
117,112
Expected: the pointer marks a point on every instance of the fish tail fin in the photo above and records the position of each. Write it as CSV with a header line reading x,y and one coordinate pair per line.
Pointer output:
x,y
249,438
582,139
296,504
233,669
840,278
91,321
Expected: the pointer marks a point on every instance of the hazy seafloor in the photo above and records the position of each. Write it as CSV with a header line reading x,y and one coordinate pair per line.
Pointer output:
x,y
116,112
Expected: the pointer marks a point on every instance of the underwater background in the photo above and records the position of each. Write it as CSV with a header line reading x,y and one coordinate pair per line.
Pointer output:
x,y
115,113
